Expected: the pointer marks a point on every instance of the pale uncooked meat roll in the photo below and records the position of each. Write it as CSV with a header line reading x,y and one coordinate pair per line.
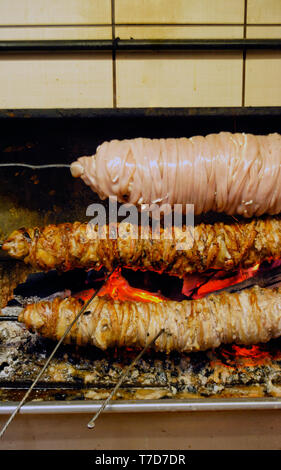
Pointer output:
x,y
231,173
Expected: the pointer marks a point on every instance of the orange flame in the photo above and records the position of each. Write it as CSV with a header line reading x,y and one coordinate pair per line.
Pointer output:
x,y
245,356
118,288
219,281
234,356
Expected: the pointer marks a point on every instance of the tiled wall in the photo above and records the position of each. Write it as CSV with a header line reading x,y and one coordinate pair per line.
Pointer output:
x,y
138,79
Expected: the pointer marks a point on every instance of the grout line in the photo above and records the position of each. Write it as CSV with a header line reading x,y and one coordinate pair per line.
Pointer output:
x,y
244,54
74,25
263,24
179,24
245,19
197,24
114,93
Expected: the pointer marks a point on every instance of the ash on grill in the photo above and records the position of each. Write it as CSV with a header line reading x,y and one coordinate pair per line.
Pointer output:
x,y
90,373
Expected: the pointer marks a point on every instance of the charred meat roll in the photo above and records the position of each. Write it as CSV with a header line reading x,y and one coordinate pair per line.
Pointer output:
x,y
247,317
218,246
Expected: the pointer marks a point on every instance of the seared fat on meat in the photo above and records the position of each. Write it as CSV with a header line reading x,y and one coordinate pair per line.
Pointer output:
x,y
215,246
247,317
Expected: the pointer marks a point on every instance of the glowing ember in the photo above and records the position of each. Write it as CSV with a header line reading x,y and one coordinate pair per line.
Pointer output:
x,y
118,288
207,283
195,286
245,356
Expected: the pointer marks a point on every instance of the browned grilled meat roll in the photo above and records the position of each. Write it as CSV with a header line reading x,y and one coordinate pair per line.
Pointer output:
x,y
247,317
219,246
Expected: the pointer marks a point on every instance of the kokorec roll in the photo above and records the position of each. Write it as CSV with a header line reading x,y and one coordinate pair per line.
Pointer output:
x,y
231,173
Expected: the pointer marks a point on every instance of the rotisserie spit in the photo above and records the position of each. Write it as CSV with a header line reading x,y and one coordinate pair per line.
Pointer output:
x,y
249,317
231,173
217,246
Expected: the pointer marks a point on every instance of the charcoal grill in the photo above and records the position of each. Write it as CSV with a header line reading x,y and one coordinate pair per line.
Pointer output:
x,y
76,381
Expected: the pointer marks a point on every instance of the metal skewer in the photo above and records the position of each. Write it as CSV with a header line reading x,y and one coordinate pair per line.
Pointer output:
x,y
37,167
83,309
8,318
91,423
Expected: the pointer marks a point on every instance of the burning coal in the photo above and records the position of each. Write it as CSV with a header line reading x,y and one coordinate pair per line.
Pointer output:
x,y
194,286
118,288
198,286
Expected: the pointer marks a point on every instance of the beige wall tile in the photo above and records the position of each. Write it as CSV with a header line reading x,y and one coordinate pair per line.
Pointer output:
x,y
178,32
56,32
264,11
179,11
28,12
54,81
264,32
263,72
179,79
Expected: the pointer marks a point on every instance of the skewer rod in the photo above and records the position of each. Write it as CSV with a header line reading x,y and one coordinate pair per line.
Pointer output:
x,y
37,167
8,318
91,423
83,309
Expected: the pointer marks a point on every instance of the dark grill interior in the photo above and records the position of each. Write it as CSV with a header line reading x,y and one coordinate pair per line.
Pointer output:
x,y
30,197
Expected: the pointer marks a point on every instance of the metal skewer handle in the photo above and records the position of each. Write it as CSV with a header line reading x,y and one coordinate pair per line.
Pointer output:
x,y
83,309
91,423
